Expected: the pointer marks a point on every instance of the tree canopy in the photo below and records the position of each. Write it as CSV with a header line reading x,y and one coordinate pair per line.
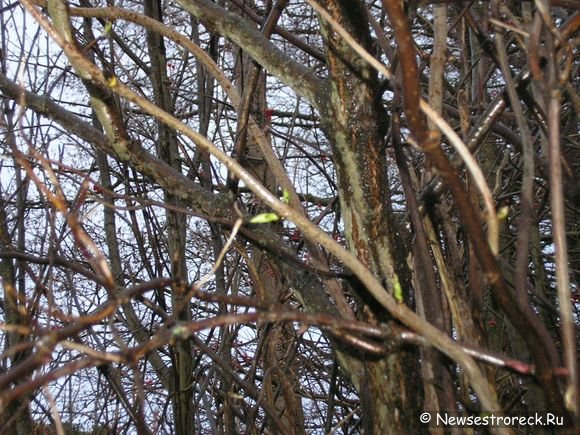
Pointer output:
x,y
290,216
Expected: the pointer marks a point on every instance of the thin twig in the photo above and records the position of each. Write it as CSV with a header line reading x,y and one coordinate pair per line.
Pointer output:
x,y
567,325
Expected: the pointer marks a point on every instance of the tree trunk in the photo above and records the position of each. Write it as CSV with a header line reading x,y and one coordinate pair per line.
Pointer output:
x,y
168,151
282,383
16,418
356,125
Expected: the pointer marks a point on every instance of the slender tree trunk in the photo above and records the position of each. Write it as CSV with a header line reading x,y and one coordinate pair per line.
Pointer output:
x,y
282,383
168,151
17,416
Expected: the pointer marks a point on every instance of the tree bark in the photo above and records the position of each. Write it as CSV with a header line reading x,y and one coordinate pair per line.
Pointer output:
x,y
16,418
168,151
356,125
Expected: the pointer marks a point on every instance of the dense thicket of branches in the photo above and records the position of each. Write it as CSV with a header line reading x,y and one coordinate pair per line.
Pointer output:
x,y
290,216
